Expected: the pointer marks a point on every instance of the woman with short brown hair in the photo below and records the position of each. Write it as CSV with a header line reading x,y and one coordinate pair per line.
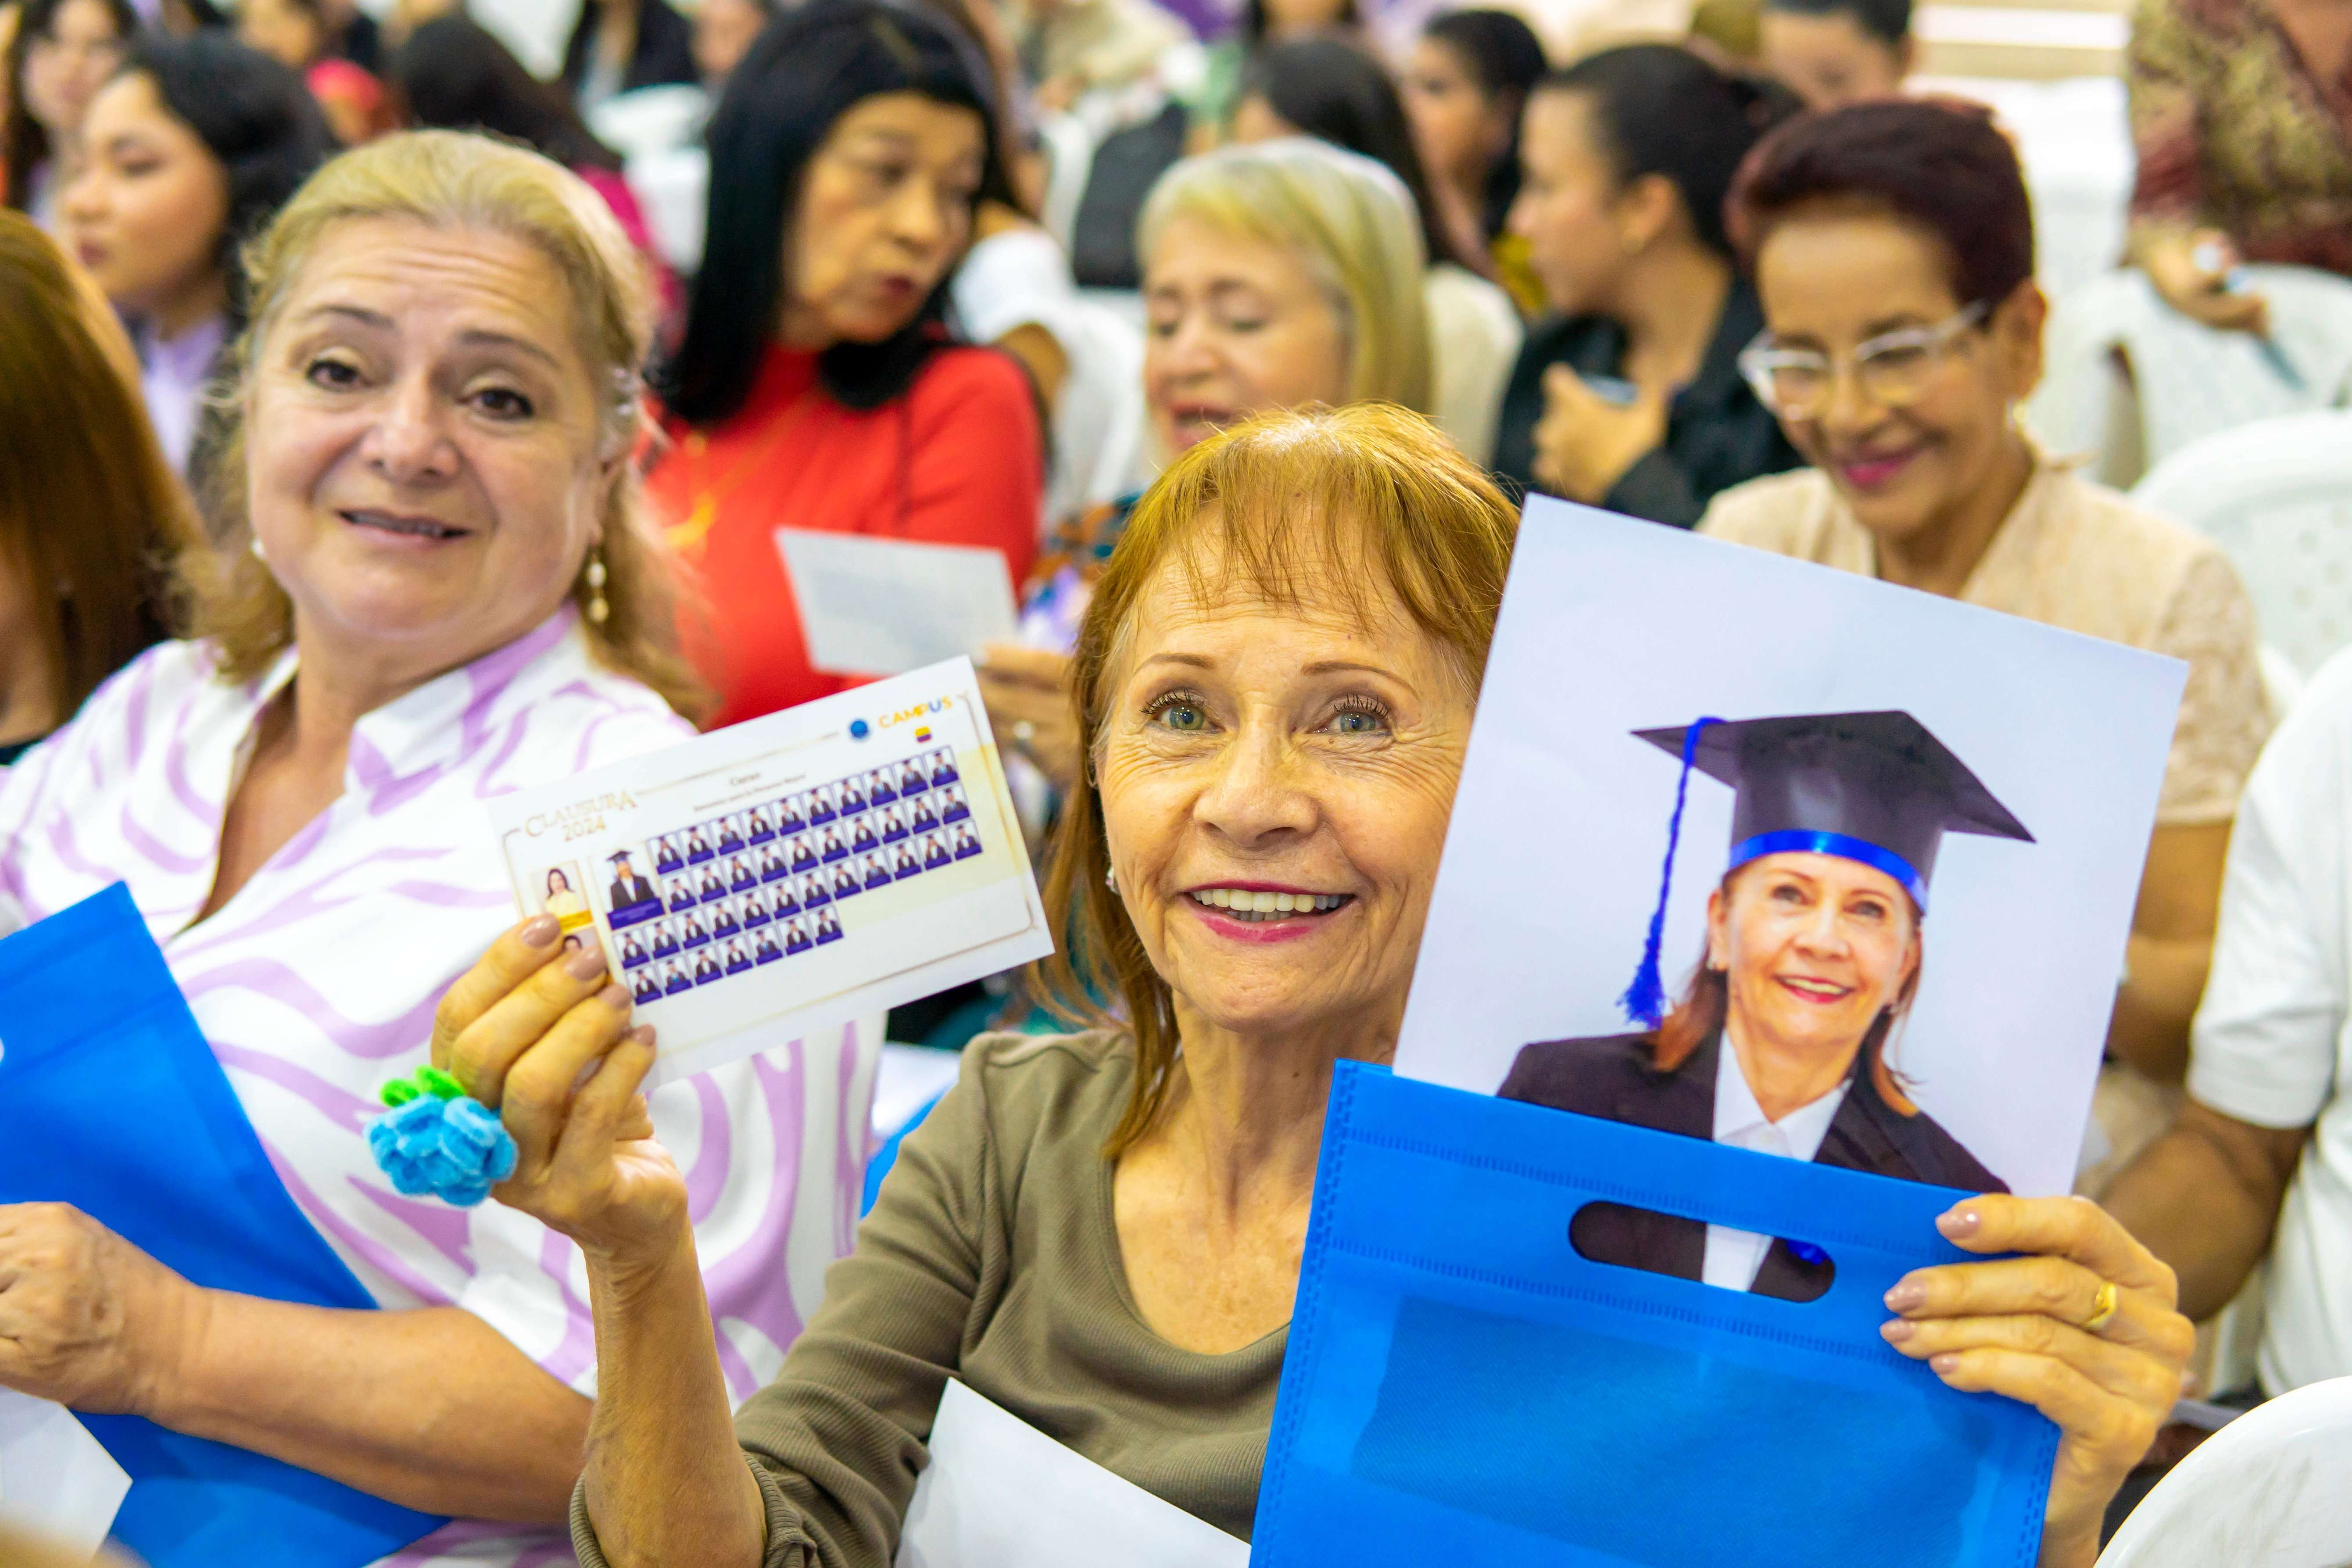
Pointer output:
x,y
91,518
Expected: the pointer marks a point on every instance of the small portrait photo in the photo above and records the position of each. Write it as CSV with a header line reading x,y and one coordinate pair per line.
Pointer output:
x,y
630,895
706,966
764,949
556,890
730,830
692,931
951,804
632,950
711,885
796,933
739,957
670,854
877,868
966,841
910,778
894,824
722,920
790,895
903,863
881,786
753,909
943,766
676,977
742,874
803,852
681,892
791,814
666,938
772,865
828,926
698,846
849,795
1775,884
760,823
921,815
821,804
935,852
862,837
829,846
645,985
844,883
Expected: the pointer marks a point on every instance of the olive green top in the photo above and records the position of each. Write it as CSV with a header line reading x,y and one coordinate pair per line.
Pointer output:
x,y
992,1257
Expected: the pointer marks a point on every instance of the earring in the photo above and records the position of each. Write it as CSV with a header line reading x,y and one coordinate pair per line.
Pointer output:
x,y
594,576
1110,878
257,555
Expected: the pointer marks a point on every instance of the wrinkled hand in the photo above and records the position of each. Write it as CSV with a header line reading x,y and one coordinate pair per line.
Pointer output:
x,y
1584,443
1030,687
2191,271
549,1046
2013,1327
87,1319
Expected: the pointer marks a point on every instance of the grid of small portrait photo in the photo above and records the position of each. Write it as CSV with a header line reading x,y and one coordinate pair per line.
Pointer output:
x,y
764,882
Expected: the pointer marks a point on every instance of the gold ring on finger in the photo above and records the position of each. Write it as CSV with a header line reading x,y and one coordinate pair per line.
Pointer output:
x,y
2102,1307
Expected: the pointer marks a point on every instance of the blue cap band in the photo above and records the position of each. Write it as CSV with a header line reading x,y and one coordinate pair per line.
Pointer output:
x,y
1803,841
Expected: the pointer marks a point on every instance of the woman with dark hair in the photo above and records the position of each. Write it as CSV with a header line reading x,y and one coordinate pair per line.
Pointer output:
x,y
1631,398
62,53
620,45
189,151
301,33
1465,90
1835,52
1893,247
818,384
454,75
1330,89
91,518
1262,22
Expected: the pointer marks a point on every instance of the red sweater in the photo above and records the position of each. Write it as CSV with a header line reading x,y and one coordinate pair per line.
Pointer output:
x,y
957,460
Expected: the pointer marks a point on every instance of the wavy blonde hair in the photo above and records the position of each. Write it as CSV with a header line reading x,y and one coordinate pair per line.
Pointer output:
x,y
449,180
1349,218
1362,508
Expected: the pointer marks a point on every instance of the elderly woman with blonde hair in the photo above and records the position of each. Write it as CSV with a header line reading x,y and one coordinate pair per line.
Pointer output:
x,y
1101,1231
438,585
1282,274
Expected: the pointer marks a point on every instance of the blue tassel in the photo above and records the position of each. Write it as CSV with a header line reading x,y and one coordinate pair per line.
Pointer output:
x,y
1644,1000
451,1149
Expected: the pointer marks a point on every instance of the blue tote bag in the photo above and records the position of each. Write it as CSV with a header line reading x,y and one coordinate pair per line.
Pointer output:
x,y
114,1103
1462,1384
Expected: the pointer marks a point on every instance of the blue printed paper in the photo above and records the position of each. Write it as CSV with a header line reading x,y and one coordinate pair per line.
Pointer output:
x,y
115,1105
1460,1379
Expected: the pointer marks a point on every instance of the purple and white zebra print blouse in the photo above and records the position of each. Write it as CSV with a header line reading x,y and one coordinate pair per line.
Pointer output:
x,y
318,982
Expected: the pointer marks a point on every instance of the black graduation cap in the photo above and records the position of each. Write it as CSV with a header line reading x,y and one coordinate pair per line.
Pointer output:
x,y
1879,788
617,856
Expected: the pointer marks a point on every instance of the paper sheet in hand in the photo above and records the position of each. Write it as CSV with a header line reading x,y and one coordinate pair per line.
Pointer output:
x,y
998,1493
794,871
879,606
55,1482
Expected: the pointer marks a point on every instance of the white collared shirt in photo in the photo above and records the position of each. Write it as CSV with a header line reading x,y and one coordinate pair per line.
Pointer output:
x,y
1733,1257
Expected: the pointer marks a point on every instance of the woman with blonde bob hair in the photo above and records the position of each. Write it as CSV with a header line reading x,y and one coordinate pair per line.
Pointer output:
x,y
436,586
1101,1231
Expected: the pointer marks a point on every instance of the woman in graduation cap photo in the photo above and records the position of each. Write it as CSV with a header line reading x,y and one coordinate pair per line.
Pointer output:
x,y
1813,952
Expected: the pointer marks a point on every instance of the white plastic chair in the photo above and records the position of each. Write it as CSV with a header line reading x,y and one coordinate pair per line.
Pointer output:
x,y
2187,381
2271,1489
2276,496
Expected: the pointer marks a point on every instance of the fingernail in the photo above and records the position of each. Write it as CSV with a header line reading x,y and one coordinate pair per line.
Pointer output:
x,y
615,997
586,965
540,931
1897,1332
1907,1294
1958,1223
644,1035
1945,1361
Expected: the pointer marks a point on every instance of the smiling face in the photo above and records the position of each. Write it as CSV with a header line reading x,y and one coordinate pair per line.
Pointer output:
x,y
1834,279
1814,948
144,216
1275,789
884,210
1233,326
424,460
1829,59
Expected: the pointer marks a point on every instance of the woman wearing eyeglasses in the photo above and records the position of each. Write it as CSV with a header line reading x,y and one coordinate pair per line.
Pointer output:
x,y
1892,250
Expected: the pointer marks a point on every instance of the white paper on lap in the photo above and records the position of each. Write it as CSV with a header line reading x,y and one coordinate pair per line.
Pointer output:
x,y
881,606
56,1481
998,1493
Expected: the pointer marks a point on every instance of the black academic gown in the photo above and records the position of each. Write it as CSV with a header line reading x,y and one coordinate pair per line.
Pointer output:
x,y
632,890
1612,1076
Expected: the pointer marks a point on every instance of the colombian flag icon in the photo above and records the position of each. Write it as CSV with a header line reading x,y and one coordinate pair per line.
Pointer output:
x,y
922,733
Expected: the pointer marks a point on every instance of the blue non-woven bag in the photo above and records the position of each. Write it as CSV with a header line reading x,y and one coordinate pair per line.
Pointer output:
x,y
1460,1383
111,1102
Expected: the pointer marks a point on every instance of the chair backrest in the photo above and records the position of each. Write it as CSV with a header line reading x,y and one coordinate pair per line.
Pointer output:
x,y
2187,381
2271,1489
2276,496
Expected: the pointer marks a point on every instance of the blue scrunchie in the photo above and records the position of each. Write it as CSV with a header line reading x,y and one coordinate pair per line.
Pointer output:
x,y
448,1146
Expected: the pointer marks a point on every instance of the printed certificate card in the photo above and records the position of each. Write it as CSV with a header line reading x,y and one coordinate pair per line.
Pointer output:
x,y
796,870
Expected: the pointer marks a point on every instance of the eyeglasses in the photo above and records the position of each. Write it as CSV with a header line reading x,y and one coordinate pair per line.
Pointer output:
x,y
1892,370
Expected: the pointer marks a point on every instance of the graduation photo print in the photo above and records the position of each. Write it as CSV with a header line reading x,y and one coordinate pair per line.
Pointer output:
x,y
1753,850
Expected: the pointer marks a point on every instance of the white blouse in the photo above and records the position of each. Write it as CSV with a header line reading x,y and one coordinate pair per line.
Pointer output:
x,y
318,982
